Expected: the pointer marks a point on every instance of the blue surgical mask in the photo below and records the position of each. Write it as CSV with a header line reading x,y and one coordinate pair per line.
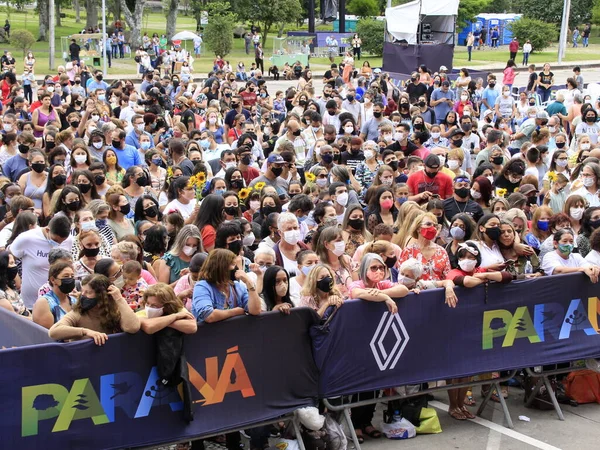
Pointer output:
x,y
145,145
101,97
101,223
306,269
156,161
302,219
204,143
219,191
401,200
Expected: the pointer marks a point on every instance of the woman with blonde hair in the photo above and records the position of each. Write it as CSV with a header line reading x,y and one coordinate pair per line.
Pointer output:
x,y
331,249
100,311
540,227
404,234
187,243
319,291
518,218
162,309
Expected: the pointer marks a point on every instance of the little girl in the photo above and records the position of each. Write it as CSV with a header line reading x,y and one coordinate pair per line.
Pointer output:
x,y
135,285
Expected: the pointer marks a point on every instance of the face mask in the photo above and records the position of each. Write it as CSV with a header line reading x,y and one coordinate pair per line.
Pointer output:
x,y
87,226
145,145
189,250
562,163
576,213
80,159
321,182
551,129
50,89
142,181
430,174
151,312
339,248
453,164
231,210
462,192
237,184
349,130
97,145
585,146
73,206
435,135
291,237
219,191
467,265
565,249
491,178
588,182
38,167
342,199
101,223
8,127
476,195
156,161
125,209
277,171
67,285
369,154
325,284
306,269
116,144
357,224
12,272
457,233
398,137
84,188
281,289
101,97
542,225
152,211
377,114
91,252
87,303
254,204
493,233
387,181
428,233
204,143
457,142
235,246
249,239
514,180
387,204
23,148
590,119
464,98
492,85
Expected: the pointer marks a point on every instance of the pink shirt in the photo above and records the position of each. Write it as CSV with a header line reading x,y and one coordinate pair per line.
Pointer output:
x,y
184,284
148,278
421,153
384,284
509,76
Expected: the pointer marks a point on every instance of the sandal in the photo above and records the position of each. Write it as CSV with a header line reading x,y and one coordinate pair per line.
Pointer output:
x,y
494,397
469,400
359,437
372,432
457,414
468,414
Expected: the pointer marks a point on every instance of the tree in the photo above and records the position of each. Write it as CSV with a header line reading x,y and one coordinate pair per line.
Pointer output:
x,y
134,20
197,8
468,10
22,39
372,33
363,8
42,10
596,13
77,7
552,10
91,8
267,14
172,9
218,34
540,33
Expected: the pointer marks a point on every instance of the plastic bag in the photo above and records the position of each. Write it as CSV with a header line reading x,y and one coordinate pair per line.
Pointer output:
x,y
399,429
430,423
336,439
310,418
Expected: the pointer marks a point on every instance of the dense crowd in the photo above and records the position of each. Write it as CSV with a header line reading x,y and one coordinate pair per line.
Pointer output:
x,y
182,201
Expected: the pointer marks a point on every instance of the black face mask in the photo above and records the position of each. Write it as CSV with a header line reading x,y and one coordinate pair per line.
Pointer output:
x,y
327,159
266,210
357,224
560,145
116,144
325,285
142,181
75,123
493,233
391,262
246,160
498,160
67,285
430,174
60,180
99,77
91,252
350,98
377,114
87,303
458,142
231,211
235,247
125,209
297,132
237,184
232,274
532,199
151,211
12,272
393,165
403,105
590,119
74,206
50,145
99,180
38,167
467,126
277,171
84,188
594,224
462,192
422,104
492,85
418,126
23,148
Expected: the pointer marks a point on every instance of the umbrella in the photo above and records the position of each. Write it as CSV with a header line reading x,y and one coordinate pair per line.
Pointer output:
x,y
185,36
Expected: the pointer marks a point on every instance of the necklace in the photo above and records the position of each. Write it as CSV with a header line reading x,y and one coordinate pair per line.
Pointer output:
x,y
459,210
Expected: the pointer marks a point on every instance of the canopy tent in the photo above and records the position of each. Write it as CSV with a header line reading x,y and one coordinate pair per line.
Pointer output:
x,y
185,36
436,18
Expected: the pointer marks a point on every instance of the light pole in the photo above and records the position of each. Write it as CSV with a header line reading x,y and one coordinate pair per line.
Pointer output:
x,y
52,18
564,30
104,37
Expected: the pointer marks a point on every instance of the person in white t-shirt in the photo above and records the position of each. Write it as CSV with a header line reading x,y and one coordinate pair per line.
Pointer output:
x,y
32,248
563,260
183,195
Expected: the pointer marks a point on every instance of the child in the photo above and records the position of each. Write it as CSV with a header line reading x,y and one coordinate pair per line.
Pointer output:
x,y
410,276
279,103
134,286
400,194
185,286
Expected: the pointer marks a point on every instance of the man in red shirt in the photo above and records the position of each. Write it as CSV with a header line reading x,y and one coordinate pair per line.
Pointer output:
x,y
249,95
513,48
430,182
249,173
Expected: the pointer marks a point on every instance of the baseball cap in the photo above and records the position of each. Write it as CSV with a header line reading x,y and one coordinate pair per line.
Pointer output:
x,y
488,112
378,70
274,158
443,68
432,161
542,115
456,132
516,199
527,189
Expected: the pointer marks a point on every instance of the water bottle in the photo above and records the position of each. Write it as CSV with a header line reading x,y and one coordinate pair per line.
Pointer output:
x,y
528,267
397,416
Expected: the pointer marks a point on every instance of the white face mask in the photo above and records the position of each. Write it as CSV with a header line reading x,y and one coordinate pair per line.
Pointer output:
x,y
321,182
398,136
562,163
119,282
80,159
349,129
467,265
188,250
249,239
491,178
151,312
442,159
435,135
387,181
476,195
140,127
89,225
551,129
388,138
212,120
369,154
588,182
291,237
97,145
576,213
95,116
585,146
229,165
453,164
339,248
342,199
7,127
464,98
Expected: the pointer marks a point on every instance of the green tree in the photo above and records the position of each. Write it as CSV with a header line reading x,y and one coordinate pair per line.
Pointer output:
x,y
218,33
363,8
551,10
540,33
372,33
22,39
596,13
268,14
468,10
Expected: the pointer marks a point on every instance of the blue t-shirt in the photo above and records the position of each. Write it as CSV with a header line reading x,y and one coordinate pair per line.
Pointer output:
x,y
128,157
206,298
443,108
14,166
489,95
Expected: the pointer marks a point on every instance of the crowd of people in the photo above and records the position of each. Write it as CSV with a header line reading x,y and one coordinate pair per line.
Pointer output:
x,y
179,201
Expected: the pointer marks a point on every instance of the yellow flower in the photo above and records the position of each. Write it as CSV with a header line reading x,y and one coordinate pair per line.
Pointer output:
x,y
244,193
193,180
310,177
501,192
552,176
170,172
201,177
516,189
259,186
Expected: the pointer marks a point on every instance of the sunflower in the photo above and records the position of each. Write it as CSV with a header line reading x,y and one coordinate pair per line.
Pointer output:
x,y
201,177
260,185
552,176
310,177
244,193
193,180
501,192
170,173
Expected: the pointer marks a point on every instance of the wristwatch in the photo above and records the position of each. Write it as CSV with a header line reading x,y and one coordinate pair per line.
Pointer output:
x,y
252,288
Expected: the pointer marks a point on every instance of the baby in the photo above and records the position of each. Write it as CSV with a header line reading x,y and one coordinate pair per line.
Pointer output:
x,y
134,287
410,274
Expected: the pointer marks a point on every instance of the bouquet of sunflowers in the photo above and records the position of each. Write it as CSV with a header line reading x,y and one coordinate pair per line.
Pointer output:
x,y
198,182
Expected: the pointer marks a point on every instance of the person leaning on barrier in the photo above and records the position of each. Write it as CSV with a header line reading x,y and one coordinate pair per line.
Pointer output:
x,y
100,311
162,309
276,290
319,291
563,260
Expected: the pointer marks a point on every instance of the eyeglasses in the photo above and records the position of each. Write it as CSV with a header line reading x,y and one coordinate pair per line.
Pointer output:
x,y
321,176
377,269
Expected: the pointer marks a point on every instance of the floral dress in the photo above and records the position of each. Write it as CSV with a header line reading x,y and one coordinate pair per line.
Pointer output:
x,y
436,268
355,240
16,301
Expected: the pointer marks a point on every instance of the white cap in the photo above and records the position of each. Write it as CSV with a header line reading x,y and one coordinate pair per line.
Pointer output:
x,y
443,68
378,70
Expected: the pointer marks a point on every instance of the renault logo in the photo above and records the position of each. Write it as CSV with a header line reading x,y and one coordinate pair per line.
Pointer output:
x,y
389,324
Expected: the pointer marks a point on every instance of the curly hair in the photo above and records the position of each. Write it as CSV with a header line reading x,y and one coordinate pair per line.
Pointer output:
x,y
107,309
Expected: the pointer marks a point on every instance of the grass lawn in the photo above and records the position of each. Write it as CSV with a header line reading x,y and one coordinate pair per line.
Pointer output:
x,y
155,22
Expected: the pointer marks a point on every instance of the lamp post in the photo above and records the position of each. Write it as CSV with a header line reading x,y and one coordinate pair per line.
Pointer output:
x,y
52,19
564,30
104,37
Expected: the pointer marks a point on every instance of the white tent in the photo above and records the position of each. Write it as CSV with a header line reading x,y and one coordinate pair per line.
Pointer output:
x,y
403,21
185,36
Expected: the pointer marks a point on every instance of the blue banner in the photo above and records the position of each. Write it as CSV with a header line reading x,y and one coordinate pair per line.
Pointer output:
x,y
18,331
81,396
504,326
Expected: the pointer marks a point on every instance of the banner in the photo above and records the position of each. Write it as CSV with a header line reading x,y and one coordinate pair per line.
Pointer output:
x,y
18,331
504,326
79,395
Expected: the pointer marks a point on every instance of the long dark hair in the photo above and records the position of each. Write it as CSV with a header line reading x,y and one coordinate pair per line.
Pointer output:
x,y
375,207
51,186
107,308
5,282
269,283
155,240
211,212
139,213
24,220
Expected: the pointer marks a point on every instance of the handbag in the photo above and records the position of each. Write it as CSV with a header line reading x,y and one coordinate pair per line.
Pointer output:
x,y
430,423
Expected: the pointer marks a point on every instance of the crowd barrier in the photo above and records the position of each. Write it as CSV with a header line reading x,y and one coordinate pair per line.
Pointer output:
x,y
254,369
